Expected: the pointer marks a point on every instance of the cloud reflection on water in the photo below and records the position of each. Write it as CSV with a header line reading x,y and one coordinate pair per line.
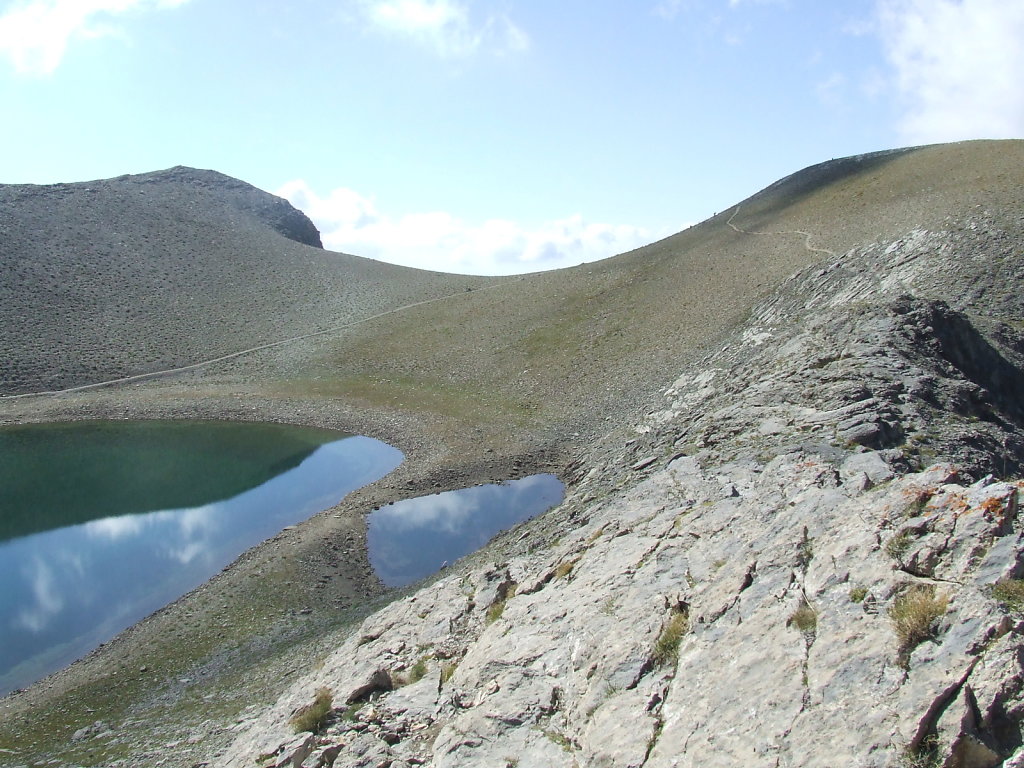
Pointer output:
x,y
413,538
68,589
47,598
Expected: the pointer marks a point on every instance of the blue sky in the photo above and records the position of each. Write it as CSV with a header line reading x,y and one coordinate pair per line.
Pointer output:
x,y
504,136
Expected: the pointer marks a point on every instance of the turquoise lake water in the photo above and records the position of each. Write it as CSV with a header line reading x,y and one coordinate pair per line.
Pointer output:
x,y
102,523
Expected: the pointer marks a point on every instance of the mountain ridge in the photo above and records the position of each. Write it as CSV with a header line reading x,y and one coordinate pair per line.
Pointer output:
x,y
764,389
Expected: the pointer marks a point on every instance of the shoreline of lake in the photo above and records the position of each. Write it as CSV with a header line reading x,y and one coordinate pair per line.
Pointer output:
x,y
297,588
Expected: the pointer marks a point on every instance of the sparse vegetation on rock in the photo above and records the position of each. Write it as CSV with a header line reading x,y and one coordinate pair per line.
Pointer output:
x,y
914,614
804,618
666,647
1010,593
312,717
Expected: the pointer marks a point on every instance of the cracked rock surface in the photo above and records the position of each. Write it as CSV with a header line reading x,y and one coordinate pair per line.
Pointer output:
x,y
791,563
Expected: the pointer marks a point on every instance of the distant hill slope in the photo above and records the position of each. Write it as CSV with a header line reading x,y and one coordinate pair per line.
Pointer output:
x,y
122,276
579,346
143,273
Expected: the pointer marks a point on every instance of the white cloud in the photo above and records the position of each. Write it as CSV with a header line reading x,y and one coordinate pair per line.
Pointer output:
x,y
958,66
830,90
114,528
445,26
351,223
34,34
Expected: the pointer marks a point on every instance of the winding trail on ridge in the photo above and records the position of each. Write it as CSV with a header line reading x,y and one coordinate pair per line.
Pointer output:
x,y
232,355
807,235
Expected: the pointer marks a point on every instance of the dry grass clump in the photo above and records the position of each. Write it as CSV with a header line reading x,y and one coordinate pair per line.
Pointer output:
x,y
666,647
447,670
897,546
914,615
312,717
564,568
804,618
497,608
1010,594
926,755
494,612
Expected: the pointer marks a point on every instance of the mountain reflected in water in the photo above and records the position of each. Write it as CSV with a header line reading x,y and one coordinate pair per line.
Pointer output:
x,y
70,587
411,539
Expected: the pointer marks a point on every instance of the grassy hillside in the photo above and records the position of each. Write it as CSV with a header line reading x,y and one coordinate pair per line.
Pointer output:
x,y
567,350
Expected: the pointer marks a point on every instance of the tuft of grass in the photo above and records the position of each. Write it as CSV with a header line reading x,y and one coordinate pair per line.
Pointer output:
x,y
897,546
497,608
666,647
447,670
1010,594
419,669
564,568
312,717
415,673
857,594
494,612
596,535
914,615
560,739
351,712
804,618
925,755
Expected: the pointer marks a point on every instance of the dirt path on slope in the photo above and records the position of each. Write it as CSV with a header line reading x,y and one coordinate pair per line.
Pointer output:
x,y
806,235
203,363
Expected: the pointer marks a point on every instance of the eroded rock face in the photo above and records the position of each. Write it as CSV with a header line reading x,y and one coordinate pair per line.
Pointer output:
x,y
790,564
573,671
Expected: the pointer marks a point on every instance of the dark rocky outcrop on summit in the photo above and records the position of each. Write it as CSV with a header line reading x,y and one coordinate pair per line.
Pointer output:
x,y
276,212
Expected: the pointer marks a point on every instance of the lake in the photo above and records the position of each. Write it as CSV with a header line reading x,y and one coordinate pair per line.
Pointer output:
x,y
413,538
102,523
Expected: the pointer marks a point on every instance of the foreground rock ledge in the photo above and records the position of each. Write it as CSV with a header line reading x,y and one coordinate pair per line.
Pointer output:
x,y
770,571
560,659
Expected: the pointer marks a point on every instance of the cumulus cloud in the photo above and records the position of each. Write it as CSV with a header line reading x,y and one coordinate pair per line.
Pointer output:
x,y
445,26
34,34
958,66
352,223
